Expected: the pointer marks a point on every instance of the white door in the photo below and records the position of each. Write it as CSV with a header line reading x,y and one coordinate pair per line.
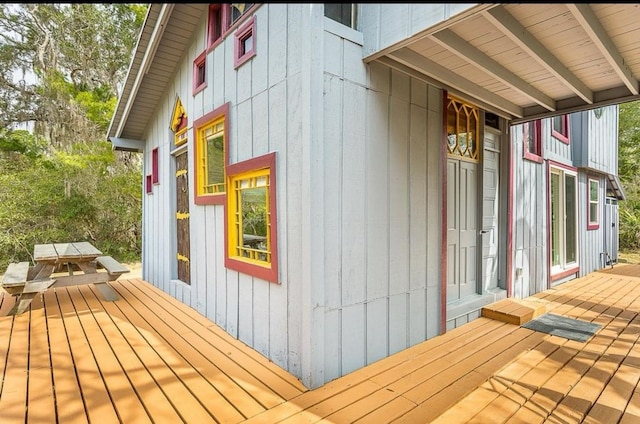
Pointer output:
x,y
490,209
462,229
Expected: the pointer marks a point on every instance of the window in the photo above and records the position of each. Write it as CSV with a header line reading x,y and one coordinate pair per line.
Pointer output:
x,y
245,43
237,10
148,185
154,166
251,245
200,73
217,23
210,135
532,140
594,205
179,123
463,129
564,218
560,128
341,12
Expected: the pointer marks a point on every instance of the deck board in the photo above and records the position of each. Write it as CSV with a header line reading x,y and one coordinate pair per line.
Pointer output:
x,y
74,357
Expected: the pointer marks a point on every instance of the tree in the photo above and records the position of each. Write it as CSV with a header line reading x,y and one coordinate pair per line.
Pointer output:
x,y
628,160
60,69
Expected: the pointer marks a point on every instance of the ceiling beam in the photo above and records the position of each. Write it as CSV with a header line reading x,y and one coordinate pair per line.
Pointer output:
x,y
453,42
510,26
438,72
592,26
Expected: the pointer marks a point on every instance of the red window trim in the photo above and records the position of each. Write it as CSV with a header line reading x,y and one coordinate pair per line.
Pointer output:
x,y
223,9
537,127
248,29
200,60
227,28
564,273
148,184
591,226
563,137
266,273
216,198
155,179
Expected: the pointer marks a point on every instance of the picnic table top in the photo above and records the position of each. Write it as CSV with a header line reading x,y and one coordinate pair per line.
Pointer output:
x,y
57,251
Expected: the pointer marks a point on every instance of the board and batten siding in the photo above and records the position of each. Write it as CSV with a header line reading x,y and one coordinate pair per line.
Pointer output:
x,y
530,265
382,208
265,97
597,149
384,25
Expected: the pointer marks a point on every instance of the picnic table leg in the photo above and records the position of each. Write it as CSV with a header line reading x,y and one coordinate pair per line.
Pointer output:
x,y
109,294
22,303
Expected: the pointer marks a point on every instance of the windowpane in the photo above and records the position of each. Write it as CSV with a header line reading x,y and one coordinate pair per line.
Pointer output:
x,y
339,12
247,44
254,218
463,129
237,10
555,219
571,233
215,163
558,124
593,190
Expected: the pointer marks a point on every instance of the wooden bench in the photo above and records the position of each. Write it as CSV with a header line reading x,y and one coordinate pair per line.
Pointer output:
x,y
113,267
15,277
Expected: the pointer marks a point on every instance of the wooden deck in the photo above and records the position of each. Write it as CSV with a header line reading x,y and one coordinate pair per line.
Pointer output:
x,y
148,358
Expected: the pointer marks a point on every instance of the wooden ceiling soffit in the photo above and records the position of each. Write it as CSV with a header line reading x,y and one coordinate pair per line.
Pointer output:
x,y
415,61
503,20
591,25
456,44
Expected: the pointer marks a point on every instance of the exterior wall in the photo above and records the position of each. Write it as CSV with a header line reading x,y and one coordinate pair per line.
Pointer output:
x,y
530,264
593,150
382,209
598,150
266,97
384,25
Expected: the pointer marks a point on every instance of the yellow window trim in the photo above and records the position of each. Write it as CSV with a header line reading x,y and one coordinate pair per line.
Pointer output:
x,y
235,248
210,130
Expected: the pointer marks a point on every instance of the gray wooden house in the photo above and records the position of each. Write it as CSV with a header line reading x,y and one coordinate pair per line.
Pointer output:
x,y
332,184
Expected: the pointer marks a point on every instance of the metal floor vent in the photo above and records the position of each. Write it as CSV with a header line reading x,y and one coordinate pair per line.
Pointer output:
x,y
557,325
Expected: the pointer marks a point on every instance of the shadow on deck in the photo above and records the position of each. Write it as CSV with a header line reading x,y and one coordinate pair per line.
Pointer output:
x,y
148,358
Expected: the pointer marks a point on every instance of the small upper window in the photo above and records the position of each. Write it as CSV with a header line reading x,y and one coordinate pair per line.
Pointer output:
x,y
200,73
237,10
532,141
594,204
217,23
341,12
155,178
463,129
560,128
245,42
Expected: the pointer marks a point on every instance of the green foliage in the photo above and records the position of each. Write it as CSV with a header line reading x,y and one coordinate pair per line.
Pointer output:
x,y
60,69
85,195
628,161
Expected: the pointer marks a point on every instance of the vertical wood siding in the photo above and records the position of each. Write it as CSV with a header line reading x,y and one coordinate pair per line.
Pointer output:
x,y
382,209
593,150
264,116
386,24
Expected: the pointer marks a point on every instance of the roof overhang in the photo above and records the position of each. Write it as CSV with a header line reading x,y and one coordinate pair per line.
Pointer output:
x,y
616,186
529,61
165,36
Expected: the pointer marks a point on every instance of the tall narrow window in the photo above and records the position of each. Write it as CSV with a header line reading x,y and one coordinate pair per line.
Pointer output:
x,y
564,219
217,23
594,205
560,128
155,178
211,156
532,141
200,73
463,129
251,245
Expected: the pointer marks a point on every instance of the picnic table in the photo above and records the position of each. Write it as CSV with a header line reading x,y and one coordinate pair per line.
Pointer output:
x,y
81,262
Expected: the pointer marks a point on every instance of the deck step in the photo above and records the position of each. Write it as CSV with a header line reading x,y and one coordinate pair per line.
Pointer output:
x,y
514,311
